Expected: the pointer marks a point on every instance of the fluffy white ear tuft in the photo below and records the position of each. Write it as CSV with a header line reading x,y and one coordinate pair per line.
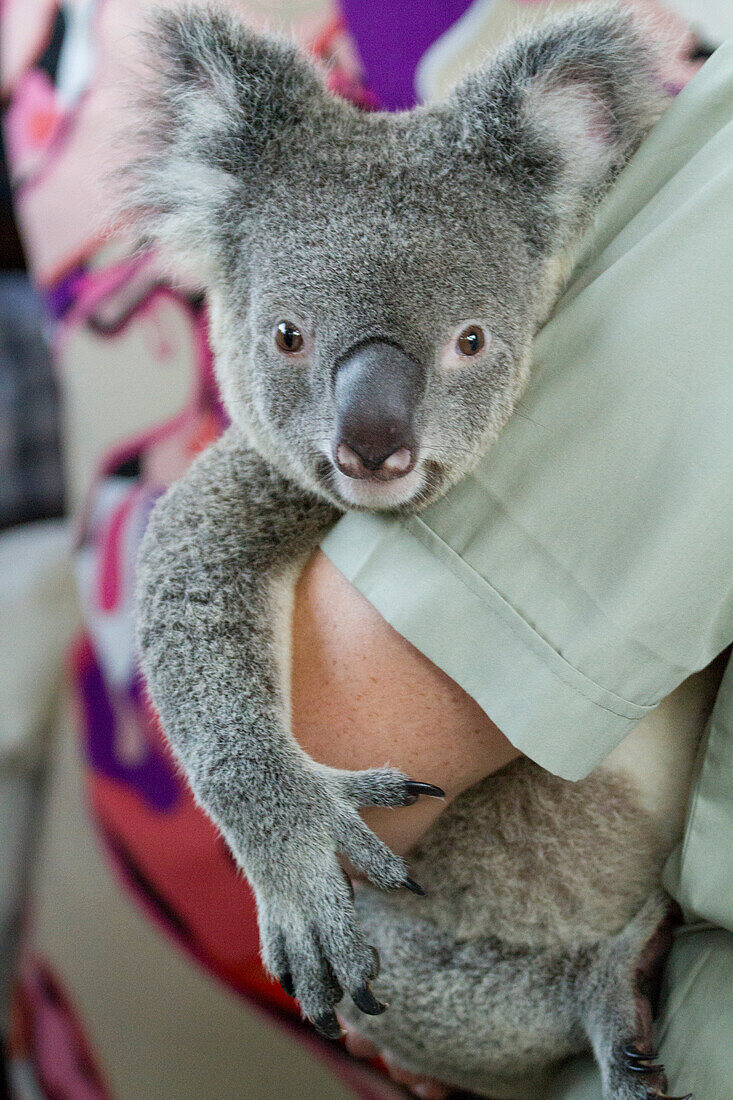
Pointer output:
x,y
221,99
575,120
560,111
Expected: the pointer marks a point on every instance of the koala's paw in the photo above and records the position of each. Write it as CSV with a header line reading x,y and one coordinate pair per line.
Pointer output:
x,y
355,840
624,984
635,1074
310,935
313,945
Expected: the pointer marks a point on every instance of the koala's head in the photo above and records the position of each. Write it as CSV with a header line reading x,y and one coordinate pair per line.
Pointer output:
x,y
375,280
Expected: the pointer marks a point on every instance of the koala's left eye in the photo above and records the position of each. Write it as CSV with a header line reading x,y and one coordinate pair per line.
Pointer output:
x,y
288,337
471,340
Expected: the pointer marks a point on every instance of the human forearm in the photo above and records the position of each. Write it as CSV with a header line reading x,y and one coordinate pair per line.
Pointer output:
x,y
362,695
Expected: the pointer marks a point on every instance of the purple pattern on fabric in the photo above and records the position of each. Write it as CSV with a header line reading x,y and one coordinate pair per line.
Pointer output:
x,y
63,294
391,37
152,777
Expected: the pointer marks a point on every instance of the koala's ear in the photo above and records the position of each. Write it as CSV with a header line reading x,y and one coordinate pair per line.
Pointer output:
x,y
559,111
222,107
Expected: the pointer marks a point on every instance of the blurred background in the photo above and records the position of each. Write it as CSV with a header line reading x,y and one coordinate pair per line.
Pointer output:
x,y
128,943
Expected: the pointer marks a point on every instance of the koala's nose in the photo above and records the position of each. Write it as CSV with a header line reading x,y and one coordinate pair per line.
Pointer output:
x,y
377,390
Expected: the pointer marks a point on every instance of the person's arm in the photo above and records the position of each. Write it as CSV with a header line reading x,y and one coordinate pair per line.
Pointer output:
x,y
363,696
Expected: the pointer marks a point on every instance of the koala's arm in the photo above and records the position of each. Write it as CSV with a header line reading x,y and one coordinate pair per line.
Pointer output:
x,y
215,578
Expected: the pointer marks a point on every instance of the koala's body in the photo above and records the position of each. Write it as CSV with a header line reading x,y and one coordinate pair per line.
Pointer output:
x,y
375,282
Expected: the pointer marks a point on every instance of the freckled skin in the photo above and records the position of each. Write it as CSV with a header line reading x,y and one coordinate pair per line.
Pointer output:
x,y
290,205
349,670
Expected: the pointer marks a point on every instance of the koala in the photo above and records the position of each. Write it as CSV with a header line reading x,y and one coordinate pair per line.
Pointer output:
x,y
375,282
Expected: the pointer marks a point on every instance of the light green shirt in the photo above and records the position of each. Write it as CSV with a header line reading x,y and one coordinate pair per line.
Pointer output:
x,y
586,567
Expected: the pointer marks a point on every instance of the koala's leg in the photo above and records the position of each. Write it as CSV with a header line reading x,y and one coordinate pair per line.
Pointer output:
x,y
497,1020
617,995
476,1014
216,574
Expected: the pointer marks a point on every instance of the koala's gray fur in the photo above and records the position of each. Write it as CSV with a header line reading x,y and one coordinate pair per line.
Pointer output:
x,y
290,203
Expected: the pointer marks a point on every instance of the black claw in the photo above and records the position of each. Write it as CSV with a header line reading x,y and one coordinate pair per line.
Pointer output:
x,y
286,981
415,789
365,1000
328,1026
665,1096
415,887
632,1051
644,1067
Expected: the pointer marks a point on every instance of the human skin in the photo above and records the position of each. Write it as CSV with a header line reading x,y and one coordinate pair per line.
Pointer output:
x,y
363,696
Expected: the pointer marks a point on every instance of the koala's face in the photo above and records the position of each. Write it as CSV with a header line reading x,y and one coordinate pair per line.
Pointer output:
x,y
372,333
375,280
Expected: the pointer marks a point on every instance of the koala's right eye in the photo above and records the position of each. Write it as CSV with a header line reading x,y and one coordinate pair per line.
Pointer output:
x,y
288,337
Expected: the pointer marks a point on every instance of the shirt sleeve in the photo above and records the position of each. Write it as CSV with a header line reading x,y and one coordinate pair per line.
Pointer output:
x,y
585,568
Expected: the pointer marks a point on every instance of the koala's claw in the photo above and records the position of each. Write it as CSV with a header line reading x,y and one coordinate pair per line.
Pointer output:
x,y
414,789
645,1066
366,1002
286,981
385,787
328,1026
640,1062
415,887
633,1051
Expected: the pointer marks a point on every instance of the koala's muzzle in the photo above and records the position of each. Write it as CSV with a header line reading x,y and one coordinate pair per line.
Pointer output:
x,y
377,390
